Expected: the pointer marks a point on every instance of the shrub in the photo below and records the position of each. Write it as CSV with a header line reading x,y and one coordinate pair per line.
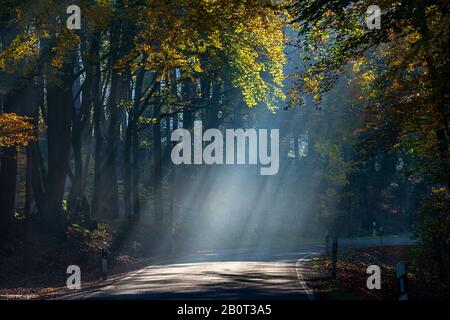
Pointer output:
x,y
432,231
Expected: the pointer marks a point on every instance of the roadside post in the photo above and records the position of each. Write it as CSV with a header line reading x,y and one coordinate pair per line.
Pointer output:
x,y
104,261
402,280
327,243
334,257
374,229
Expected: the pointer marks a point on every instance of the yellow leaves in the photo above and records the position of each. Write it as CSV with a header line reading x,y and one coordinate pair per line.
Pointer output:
x,y
312,83
396,85
247,37
23,46
413,37
16,131
196,65
357,65
124,104
319,35
317,97
65,43
368,76
328,14
439,190
215,40
147,121
266,56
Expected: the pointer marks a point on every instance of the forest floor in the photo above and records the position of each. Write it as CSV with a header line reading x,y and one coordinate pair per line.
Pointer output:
x,y
351,279
44,276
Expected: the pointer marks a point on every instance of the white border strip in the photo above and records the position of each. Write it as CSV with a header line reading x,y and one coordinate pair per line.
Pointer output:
x,y
301,280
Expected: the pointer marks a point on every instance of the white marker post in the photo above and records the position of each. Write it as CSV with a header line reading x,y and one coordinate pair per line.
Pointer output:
x,y
402,280
374,224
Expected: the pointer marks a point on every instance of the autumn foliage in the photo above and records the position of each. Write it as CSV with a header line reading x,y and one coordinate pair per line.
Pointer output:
x,y
16,131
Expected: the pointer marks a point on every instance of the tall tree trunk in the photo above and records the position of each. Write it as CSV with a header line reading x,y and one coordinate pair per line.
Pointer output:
x,y
213,109
131,154
97,118
188,95
8,182
127,194
37,179
136,175
28,190
74,199
59,116
172,167
172,179
109,193
157,162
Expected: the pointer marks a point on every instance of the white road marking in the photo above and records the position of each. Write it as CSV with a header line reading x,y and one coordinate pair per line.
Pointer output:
x,y
302,282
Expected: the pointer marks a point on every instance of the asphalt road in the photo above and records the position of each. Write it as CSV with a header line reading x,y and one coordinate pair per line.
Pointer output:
x,y
227,274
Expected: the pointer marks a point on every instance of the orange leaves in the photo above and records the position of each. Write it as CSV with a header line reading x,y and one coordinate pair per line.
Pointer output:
x,y
23,46
16,131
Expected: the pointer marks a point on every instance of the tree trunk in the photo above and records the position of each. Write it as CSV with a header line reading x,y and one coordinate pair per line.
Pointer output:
x,y
127,175
8,182
172,180
108,192
28,190
74,201
157,163
213,109
60,107
98,132
37,179
136,175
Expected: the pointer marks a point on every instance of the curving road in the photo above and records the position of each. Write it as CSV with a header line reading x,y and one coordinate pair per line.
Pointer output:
x,y
227,274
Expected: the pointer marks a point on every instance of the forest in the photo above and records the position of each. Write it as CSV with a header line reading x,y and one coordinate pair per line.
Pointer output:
x,y
87,116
